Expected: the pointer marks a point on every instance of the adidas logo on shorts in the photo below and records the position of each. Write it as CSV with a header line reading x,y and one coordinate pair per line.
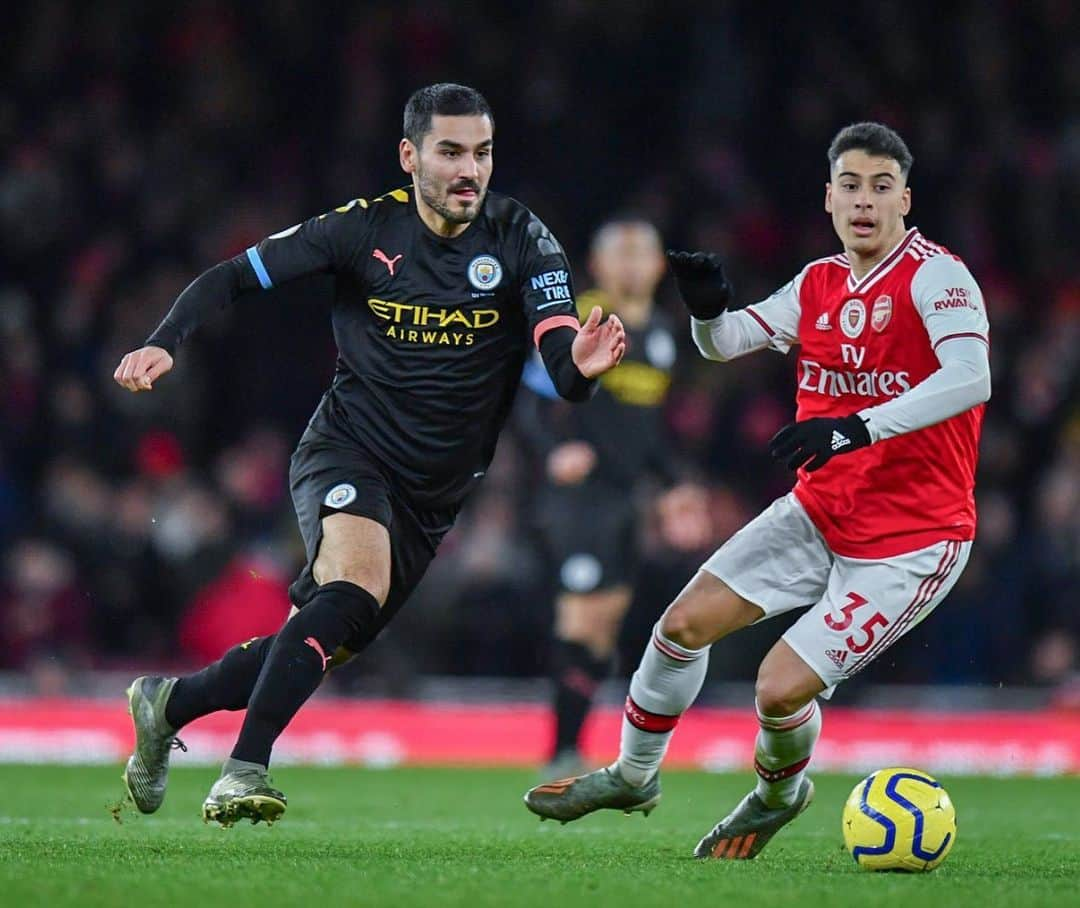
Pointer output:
x,y
838,656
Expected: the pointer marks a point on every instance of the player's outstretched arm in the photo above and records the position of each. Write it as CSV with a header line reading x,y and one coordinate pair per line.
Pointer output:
x,y
211,290
139,369
720,330
312,247
598,346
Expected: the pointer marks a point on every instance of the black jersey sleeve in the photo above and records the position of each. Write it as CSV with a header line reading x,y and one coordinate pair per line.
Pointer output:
x,y
322,244
533,413
547,293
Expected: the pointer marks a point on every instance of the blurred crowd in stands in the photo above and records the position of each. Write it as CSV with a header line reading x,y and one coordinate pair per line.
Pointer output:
x,y
143,143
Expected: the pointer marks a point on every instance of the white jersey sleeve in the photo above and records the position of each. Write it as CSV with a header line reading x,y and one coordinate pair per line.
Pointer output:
x,y
962,382
952,309
773,322
949,301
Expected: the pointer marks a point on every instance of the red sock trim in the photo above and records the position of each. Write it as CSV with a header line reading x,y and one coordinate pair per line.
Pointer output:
x,y
778,775
647,721
668,650
788,723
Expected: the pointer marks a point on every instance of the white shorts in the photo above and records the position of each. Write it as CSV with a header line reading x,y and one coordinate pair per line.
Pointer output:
x,y
859,607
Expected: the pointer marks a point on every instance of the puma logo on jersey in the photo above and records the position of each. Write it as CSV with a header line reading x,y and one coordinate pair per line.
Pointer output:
x,y
822,323
839,440
389,263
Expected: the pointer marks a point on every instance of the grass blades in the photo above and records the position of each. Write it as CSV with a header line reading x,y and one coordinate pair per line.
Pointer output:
x,y
450,837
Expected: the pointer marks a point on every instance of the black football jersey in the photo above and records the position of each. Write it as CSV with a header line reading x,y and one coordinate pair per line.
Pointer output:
x,y
431,331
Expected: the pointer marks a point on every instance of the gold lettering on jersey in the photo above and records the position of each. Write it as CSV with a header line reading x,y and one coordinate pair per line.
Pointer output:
x,y
442,338
413,324
637,384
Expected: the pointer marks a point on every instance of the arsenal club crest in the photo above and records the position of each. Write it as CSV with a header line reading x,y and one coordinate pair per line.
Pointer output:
x,y
853,318
881,313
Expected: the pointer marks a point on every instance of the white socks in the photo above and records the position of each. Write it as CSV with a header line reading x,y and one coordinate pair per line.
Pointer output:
x,y
781,752
666,682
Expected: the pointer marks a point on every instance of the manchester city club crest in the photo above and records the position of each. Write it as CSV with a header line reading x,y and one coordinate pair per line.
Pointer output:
x,y
881,313
485,272
340,495
853,318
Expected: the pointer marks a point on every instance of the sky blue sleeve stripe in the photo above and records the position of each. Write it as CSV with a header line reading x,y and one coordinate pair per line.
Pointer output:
x,y
260,269
535,377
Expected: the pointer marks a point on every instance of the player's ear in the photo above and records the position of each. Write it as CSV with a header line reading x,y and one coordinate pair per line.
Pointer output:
x,y
828,197
905,201
407,155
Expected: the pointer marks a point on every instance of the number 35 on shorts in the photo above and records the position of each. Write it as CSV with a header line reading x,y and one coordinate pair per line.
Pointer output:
x,y
869,605
866,623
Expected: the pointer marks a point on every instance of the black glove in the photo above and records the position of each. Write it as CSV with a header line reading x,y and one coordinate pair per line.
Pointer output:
x,y
702,285
820,438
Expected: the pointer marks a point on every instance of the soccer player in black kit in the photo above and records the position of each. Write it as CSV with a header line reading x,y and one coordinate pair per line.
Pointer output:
x,y
595,461
440,289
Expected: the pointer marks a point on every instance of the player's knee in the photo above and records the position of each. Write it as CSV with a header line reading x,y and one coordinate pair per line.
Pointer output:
x,y
591,619
378,587
368,577
680,625
776,696
340,612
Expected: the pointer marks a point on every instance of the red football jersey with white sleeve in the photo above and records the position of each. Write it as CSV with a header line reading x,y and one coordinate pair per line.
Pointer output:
x,y
863,343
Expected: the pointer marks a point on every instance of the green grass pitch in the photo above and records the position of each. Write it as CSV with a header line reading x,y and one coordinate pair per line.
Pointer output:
x,y
446,837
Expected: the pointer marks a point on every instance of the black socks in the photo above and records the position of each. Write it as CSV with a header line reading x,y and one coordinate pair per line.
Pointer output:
x,y
226,684
298,659
577,674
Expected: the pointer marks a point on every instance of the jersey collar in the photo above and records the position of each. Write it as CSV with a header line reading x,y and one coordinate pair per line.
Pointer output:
x,y
884,266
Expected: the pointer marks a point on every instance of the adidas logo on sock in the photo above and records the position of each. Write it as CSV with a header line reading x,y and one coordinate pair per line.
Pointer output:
x,y
838,656
839,440
822,323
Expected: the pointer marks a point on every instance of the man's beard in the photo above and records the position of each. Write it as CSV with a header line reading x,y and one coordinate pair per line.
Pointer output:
x,y
441,206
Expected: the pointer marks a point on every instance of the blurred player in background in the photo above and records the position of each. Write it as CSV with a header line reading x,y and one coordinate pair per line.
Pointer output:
x,y
440,289
595,460
893,374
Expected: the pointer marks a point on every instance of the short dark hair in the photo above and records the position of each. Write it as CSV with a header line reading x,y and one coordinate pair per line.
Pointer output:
x,y
873,138
626,218
446,99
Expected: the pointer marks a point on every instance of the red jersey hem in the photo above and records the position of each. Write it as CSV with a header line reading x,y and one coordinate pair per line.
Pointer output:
x,y
898,544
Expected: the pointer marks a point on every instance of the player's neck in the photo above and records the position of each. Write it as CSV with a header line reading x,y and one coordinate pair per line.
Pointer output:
x,y
634,311
436,223
862,264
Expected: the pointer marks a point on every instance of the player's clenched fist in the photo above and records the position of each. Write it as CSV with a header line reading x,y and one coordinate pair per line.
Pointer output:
x,y
139,369
704,288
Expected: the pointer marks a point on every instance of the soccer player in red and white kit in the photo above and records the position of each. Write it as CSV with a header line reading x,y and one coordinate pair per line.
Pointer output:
x,y
893,374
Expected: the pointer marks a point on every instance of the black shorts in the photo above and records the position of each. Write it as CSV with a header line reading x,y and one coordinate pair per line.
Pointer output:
x,y
590,533
327,476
